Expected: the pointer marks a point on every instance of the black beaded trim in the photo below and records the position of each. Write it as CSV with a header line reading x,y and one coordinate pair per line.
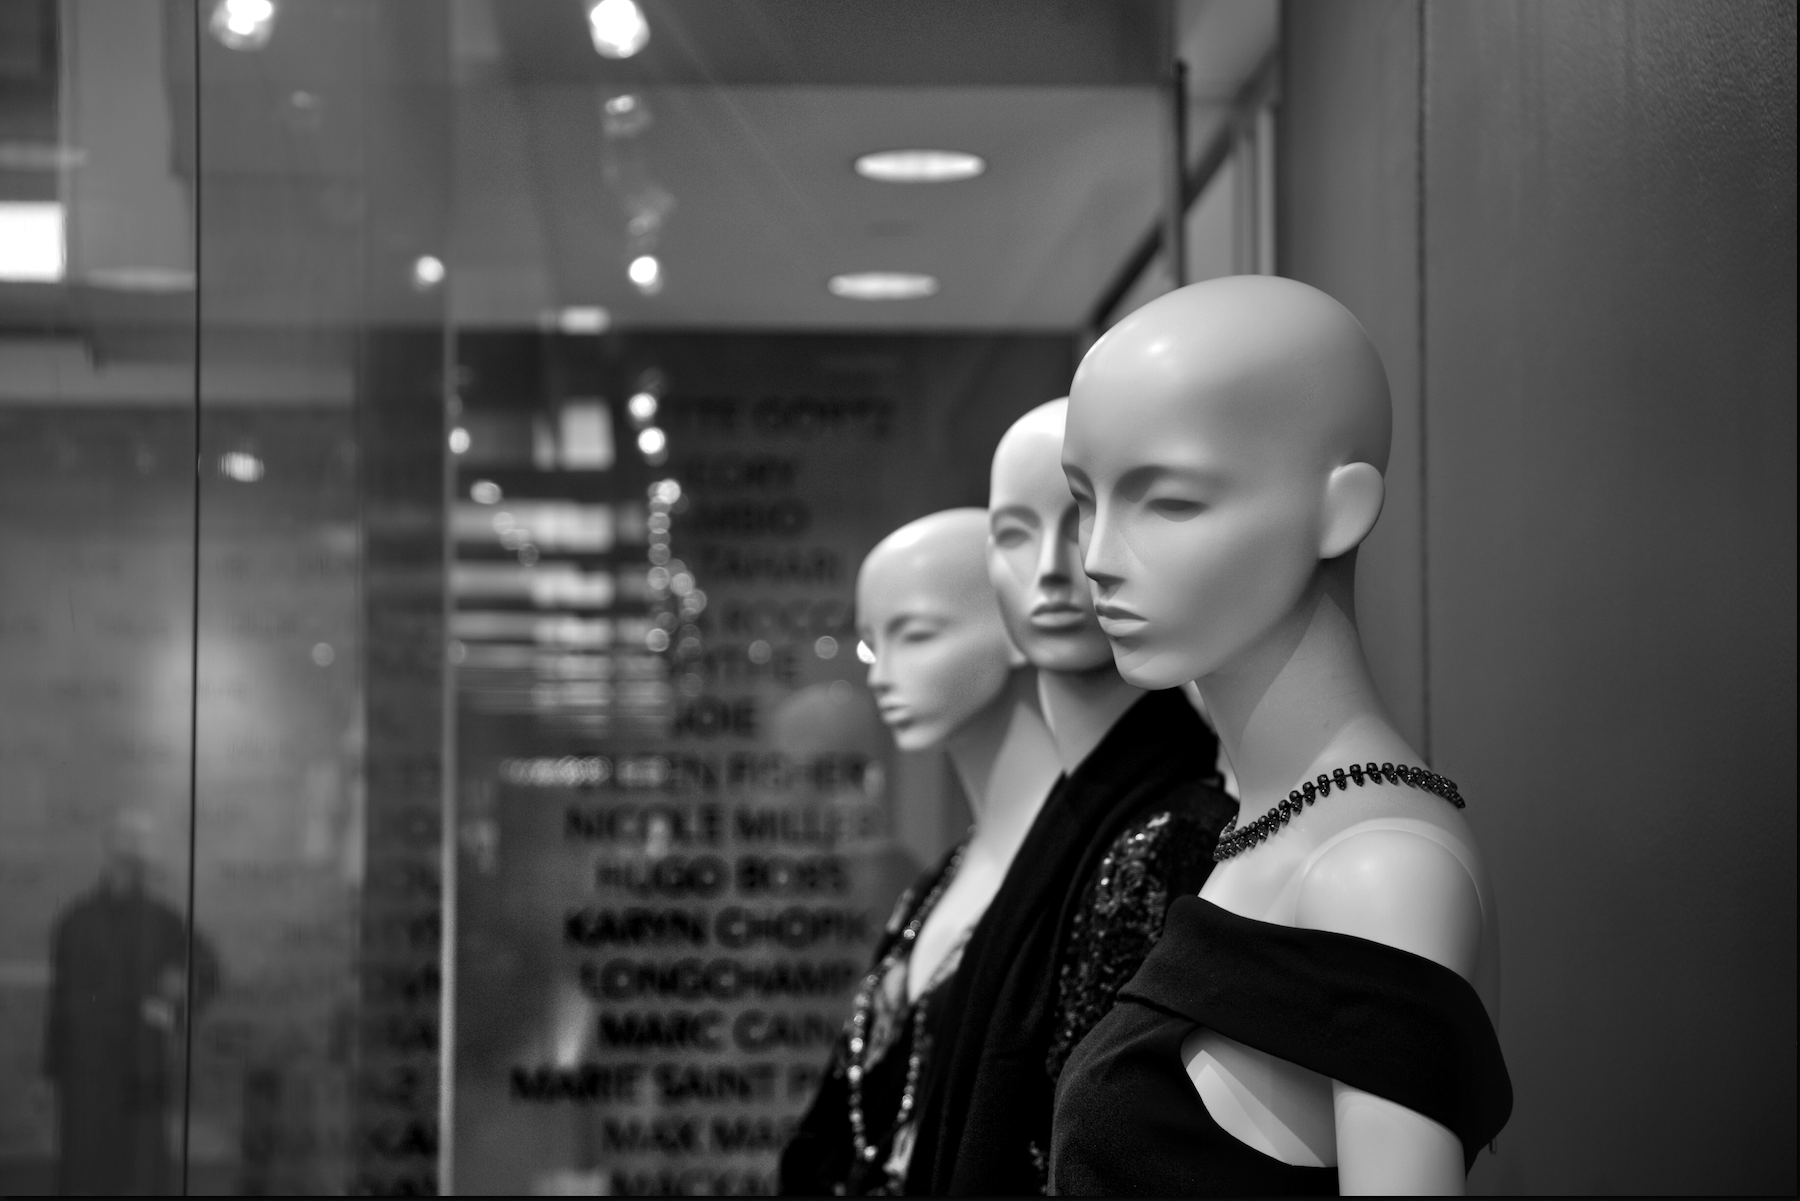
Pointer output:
x,y
1233,841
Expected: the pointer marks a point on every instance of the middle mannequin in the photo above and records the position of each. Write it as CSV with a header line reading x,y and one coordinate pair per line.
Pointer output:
x,y
1130,826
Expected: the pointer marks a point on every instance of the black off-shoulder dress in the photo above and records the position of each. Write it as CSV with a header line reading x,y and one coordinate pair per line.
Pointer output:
x,y
1129,1122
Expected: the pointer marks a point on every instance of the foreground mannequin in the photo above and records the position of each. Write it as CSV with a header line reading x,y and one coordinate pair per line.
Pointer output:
x,y
1132,825
943,674
1320,1017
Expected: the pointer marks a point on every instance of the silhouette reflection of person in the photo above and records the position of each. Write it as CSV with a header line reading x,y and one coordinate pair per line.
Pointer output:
x,y
114,1039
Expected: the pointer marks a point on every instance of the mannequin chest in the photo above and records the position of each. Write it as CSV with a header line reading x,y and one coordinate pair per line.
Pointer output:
x,y
950,921
1289,1112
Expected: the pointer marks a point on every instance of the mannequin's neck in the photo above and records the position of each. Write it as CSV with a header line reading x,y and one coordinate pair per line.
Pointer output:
x,y
1300,697
1007,762
1081,707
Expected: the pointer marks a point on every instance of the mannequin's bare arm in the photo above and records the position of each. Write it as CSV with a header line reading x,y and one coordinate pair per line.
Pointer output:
x,y
1407,891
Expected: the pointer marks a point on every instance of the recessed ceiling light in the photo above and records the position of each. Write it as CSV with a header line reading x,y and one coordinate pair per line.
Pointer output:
x,y
642,407
646,273
618,28
427,272
920,166
243,24
883,285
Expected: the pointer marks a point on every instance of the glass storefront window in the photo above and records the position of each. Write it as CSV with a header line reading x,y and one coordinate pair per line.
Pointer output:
x,y
438,440
437,443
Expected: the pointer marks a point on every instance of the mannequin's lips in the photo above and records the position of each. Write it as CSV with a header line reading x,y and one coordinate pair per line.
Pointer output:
x,y
896,716
1058,619
1120,622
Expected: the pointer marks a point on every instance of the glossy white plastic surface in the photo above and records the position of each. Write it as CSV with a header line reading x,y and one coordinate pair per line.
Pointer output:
x,y
1034,561
945,674
1225,445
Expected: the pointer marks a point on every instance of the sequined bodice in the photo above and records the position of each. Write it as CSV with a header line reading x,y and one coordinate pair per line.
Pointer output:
x,y
1164,854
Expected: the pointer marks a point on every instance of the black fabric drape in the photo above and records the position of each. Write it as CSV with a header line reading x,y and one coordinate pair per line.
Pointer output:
x,y
818,1158
1130,1123
985,1110
1372,1016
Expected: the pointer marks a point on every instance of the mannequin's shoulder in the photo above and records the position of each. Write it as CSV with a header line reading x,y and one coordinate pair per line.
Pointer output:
x,y
1409,883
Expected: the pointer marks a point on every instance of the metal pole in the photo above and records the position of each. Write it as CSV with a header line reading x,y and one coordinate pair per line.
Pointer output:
x,y
1175,216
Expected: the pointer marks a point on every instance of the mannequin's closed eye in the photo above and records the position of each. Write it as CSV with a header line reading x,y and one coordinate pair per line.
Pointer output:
x,y
1175,508
1080,489
917,630
1009,536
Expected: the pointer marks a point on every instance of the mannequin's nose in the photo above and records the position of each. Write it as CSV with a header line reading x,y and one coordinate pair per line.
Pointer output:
x,y
1104,583
1054,565
877,678
1100,559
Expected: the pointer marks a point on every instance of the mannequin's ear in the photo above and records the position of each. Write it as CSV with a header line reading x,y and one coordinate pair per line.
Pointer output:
x,y
1353,498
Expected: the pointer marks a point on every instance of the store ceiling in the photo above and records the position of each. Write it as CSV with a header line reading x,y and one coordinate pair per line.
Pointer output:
x,y
846,43
367,134
766,207
758,111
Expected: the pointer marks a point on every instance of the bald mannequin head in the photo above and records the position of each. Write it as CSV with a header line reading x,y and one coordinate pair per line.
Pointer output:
x,y
1034,559
1225,444
930,627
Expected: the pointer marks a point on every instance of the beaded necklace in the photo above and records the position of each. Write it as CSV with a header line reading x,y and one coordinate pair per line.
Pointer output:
x,y
1233,841
865,1151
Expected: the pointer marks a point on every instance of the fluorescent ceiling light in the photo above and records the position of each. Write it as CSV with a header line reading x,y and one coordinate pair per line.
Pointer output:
x,y
241,466
40,156
920,166
583,319
883,285
141,279
618,28
31,241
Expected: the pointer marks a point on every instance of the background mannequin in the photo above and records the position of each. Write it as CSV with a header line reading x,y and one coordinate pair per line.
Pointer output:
x,y
944,674
1034,562
1225,445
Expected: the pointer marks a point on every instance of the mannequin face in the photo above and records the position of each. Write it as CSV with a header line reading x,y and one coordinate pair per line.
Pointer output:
x,y
927,617
1033,556
1222,442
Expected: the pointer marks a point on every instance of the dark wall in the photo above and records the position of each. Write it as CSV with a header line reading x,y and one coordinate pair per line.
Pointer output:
x,y
1347,219
1596,562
